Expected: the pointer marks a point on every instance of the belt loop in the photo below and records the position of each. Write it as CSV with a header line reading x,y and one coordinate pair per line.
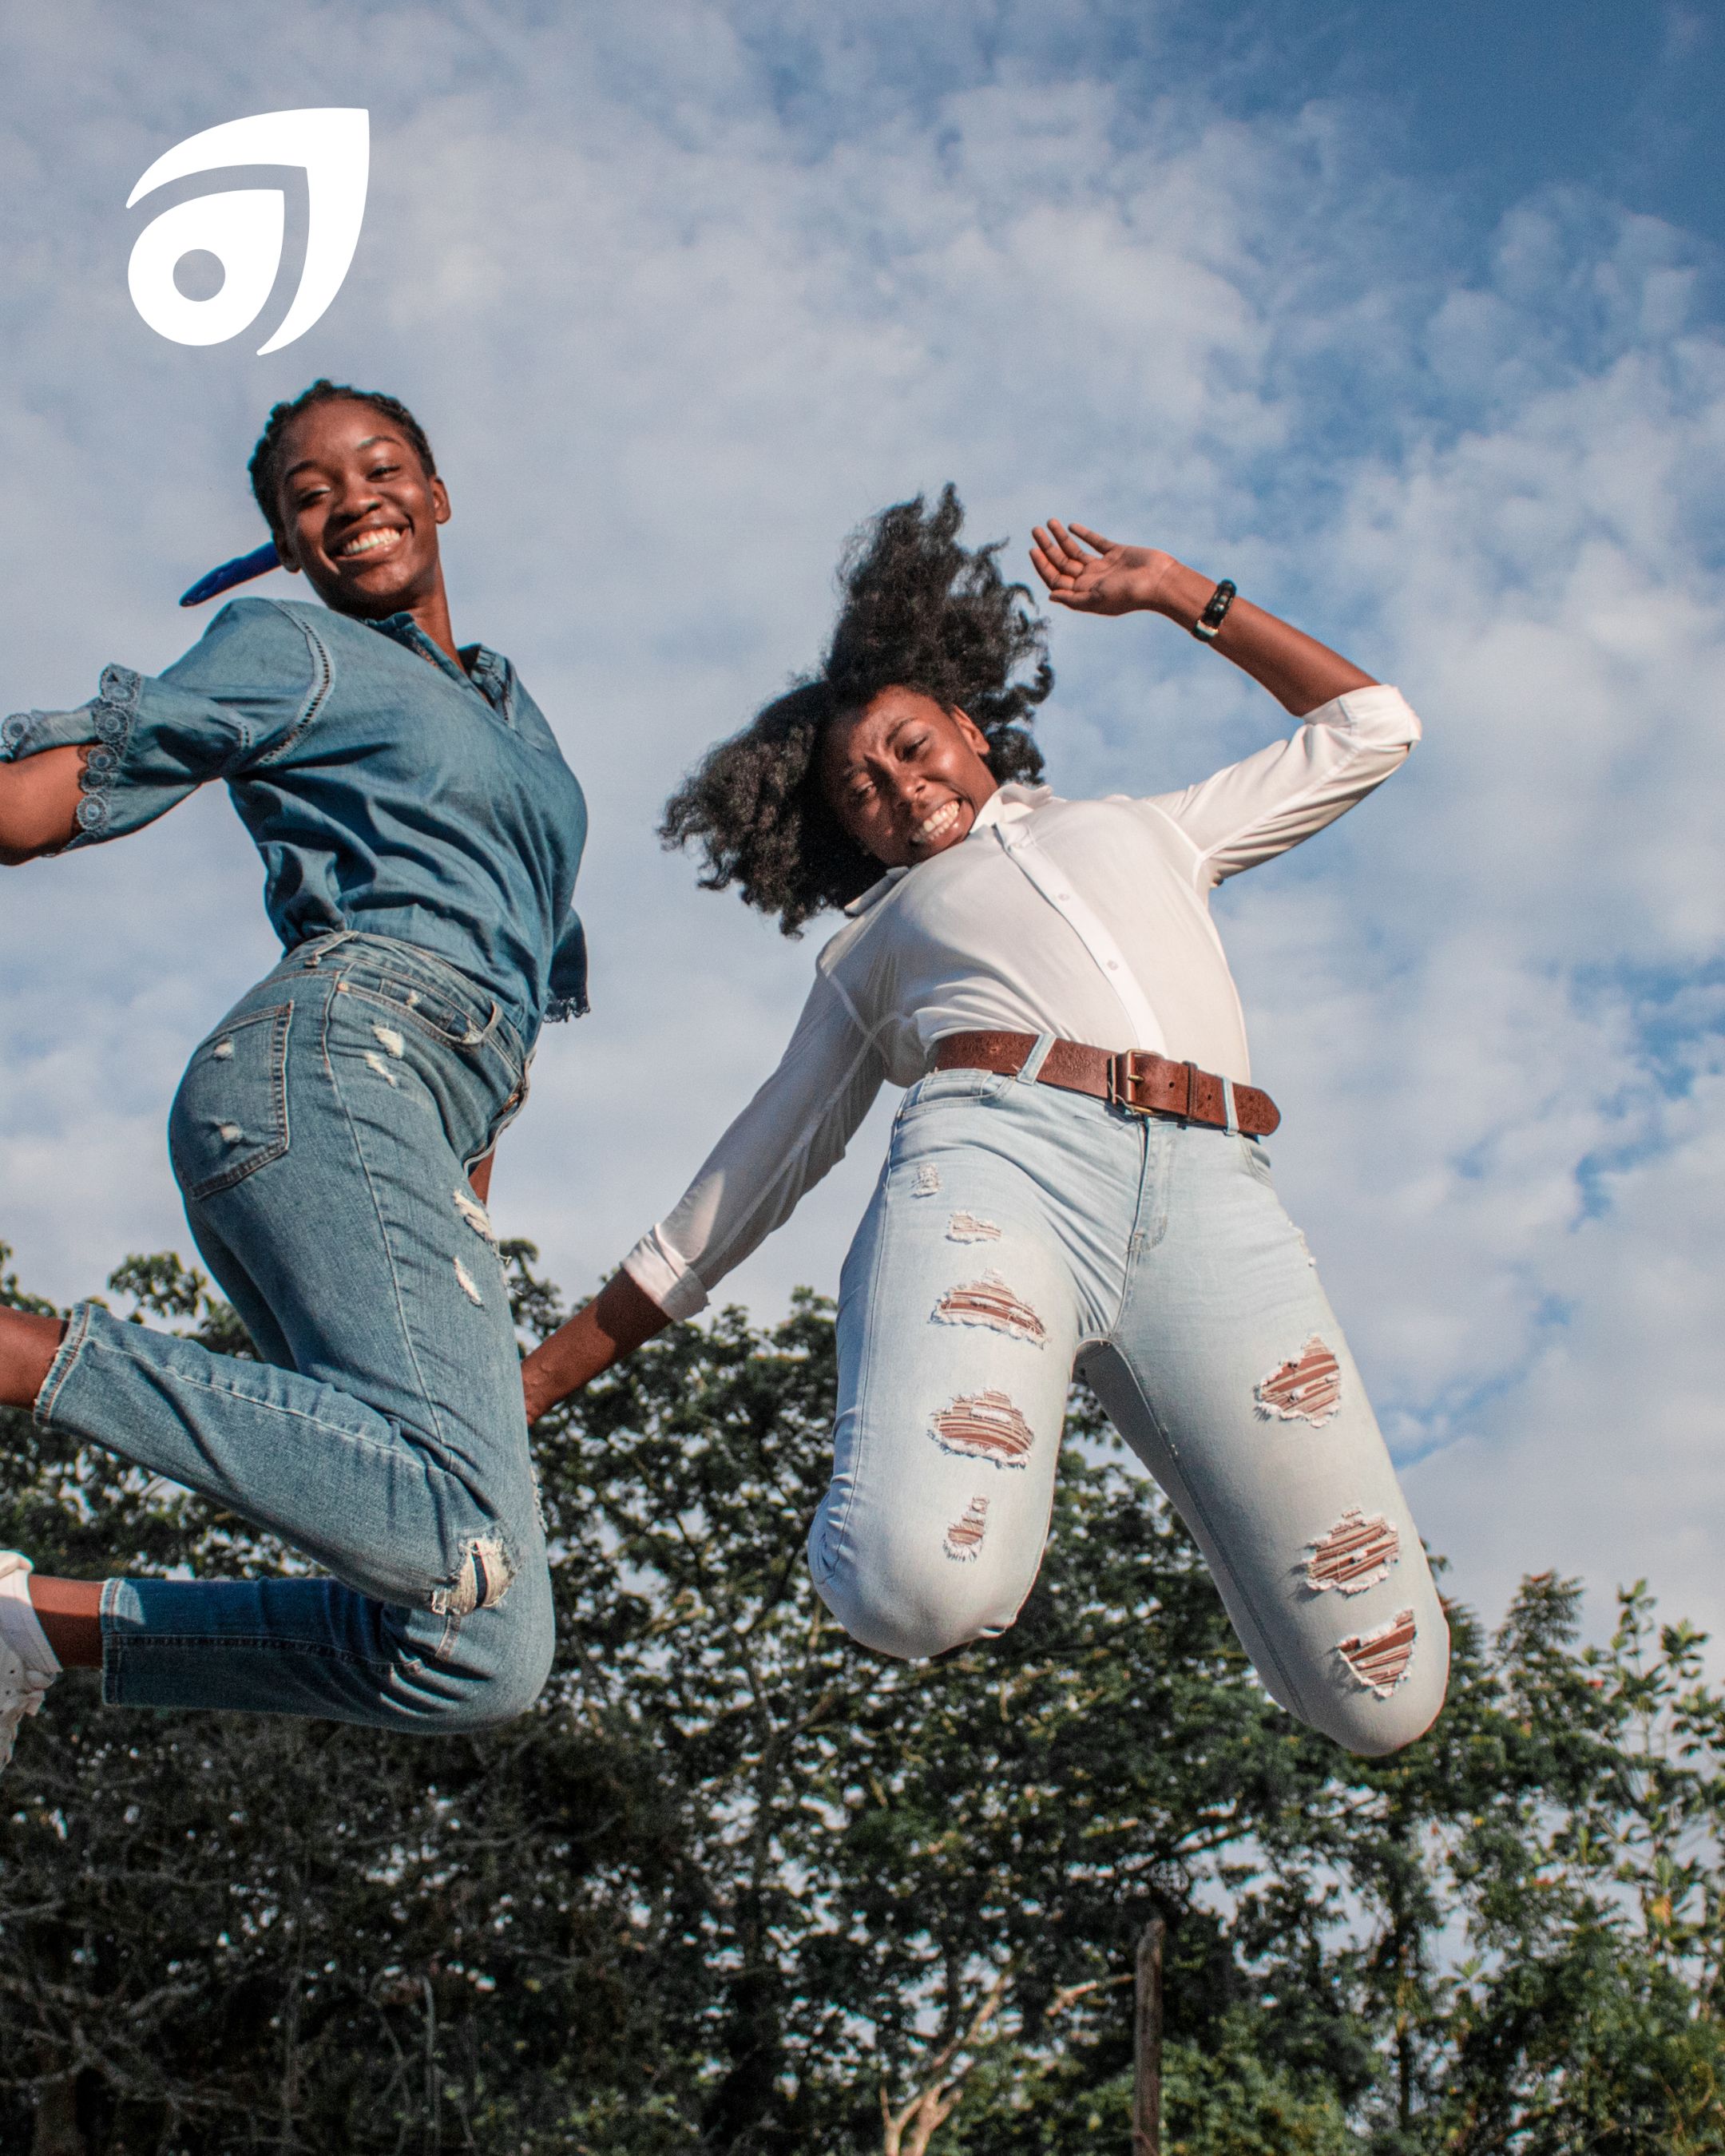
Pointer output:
x,y
1232,1125
1031,1068
320,947
476,1037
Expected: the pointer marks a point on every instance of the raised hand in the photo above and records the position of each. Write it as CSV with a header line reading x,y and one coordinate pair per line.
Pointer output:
x,y
1090,574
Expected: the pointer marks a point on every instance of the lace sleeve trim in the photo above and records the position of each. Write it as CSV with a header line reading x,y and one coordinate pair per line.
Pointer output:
x,y
114,714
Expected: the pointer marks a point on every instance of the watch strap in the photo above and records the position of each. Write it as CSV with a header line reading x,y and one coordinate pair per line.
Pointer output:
x,y
1208,627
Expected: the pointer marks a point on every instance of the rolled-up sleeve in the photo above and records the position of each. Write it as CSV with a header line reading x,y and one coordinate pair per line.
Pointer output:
x,y
794,1130
247,687
1258,808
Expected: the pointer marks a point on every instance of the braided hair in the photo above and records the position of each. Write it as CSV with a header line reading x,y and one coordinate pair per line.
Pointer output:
x,y
918,612
266,466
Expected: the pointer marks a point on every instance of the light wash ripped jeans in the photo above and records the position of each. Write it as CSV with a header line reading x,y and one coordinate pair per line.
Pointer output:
x,y
321,1137
1018,1233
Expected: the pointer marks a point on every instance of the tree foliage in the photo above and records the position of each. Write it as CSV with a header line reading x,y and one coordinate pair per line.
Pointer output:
x,y
738,1885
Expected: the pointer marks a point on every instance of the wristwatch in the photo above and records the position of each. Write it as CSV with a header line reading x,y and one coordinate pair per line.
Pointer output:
x,y
1208,627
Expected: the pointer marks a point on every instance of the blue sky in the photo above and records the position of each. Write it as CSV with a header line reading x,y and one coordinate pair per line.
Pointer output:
x,y
1478,104
1405,317
1489,103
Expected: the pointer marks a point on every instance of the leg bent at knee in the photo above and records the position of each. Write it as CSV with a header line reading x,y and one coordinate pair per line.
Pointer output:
x,y
932,1601
910,1627
1385,1685
483,1576
945,1550
318,1648
957,1330
455,1675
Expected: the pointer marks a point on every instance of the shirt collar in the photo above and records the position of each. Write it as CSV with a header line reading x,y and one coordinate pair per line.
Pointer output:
x,y
488,670
1006,805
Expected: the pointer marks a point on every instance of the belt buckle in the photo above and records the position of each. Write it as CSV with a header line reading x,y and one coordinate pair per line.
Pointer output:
x,y
1123,1079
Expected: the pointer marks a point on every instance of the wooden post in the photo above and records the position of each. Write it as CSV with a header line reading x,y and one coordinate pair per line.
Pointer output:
x,y
1147,2044
434,2076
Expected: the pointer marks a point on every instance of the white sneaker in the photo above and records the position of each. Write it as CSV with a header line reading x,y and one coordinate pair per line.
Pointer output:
x,y
22,1684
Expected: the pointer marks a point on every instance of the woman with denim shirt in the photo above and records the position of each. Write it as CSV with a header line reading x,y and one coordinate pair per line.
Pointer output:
x,y
332,1137
1075,1178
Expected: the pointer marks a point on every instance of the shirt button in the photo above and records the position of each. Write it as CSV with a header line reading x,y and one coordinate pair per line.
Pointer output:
x,y
1114,965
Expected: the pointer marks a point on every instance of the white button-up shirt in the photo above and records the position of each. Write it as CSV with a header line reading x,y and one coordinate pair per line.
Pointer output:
x,y
1089,919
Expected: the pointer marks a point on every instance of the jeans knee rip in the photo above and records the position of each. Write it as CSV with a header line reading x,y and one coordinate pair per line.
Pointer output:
x,y
971,1227
985,1425
1307,1388
1380,1660
481,1581
990,1302
964,1537
475,1215
1356,1553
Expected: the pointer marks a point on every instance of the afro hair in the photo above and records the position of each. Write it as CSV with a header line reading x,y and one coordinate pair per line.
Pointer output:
x,y
918,611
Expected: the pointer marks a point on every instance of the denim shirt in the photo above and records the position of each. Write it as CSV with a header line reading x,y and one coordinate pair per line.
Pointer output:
x,y
388,790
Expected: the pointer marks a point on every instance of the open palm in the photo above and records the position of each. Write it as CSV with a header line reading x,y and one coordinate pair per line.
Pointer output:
x,y
1093,575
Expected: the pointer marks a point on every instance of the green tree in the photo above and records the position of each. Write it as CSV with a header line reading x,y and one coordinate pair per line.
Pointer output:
x,y
921,1885
222,1933
1588,2017
738,1885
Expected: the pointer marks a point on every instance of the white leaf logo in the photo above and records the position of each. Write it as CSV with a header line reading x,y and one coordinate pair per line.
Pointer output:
x,y
243,227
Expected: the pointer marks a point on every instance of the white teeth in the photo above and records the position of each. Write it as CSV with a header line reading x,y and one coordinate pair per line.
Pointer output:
x,y
942,821
367,542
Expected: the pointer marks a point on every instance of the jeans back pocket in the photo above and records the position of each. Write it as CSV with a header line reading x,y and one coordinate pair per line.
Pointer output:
x,y
230,1116
428,1009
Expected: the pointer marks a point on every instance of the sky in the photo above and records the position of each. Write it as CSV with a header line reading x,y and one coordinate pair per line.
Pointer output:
x,y
1408,319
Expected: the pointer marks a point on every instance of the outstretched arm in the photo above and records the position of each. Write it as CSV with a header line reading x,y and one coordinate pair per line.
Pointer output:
x,y
620,1317
38,805
795,1129
1090,574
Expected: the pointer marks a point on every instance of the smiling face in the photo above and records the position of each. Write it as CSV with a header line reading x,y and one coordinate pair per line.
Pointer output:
x,y
906,777
359,512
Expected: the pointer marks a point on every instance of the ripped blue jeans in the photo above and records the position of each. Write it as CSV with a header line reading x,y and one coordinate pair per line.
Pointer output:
x,y
1018,1233
321,1137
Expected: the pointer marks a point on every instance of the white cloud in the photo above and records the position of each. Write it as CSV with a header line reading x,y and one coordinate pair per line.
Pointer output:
x,y
683,297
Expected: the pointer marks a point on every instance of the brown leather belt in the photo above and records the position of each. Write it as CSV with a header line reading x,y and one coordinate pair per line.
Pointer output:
x,y
1135,1080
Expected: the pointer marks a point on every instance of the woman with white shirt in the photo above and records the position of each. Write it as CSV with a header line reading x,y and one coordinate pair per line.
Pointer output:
x,y
1076,1179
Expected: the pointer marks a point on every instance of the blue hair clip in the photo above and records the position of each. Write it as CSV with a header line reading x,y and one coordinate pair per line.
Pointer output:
x,y
239,571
